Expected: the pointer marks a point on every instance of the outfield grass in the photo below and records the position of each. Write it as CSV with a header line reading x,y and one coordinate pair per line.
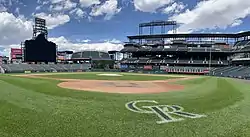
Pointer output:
x,y
38,108
95,76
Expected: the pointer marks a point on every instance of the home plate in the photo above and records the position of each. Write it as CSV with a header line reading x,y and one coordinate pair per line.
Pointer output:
x,y
113,75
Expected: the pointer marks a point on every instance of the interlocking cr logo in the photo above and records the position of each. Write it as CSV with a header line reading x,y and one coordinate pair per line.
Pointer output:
x,y
166,113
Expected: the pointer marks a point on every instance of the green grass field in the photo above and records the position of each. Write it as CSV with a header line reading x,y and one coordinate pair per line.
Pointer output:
x,y
32,107
95,76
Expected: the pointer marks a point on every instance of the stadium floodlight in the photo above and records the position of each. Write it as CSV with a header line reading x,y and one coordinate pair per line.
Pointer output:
x,y
40,27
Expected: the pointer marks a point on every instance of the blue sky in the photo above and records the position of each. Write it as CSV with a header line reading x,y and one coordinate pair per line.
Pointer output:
x,y
104,24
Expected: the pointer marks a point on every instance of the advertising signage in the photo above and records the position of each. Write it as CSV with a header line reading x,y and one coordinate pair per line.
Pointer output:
x,y
16,53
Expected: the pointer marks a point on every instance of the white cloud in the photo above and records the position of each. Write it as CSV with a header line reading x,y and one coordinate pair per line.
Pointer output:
x,y
86,40
45,2
56,1
211,14
150,5
78,12
109,8
38,7
60,5
54,20
65,44
6,50
17,10
13,29
174,8
69,4
115,41
56,7
236,22
88,3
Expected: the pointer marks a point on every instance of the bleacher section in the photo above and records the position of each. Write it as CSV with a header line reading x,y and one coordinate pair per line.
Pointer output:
x,y
21,68
241,53
188,70
234,72
94,55
171,61
242,46
171,49
1,70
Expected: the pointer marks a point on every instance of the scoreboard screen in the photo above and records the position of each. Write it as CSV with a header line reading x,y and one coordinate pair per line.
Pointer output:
x,y
39,50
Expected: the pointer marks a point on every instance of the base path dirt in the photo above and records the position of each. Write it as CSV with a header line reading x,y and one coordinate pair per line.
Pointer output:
x,y
125,87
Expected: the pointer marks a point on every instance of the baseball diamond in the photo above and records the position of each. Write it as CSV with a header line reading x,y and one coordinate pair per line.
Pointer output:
x,y
88,104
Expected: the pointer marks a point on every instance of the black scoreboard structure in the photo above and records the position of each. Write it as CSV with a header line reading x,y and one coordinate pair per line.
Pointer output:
x,y
39,49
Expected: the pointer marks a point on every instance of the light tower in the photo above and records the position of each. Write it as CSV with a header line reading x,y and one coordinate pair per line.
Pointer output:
x,y
40,27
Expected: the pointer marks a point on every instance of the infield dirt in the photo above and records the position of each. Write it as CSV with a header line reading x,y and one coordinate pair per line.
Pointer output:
x,y
125,87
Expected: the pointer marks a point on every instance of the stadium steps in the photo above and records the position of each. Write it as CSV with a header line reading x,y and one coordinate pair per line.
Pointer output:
x,y
37,67
7,68
17,66
53,66
1,69
242,72
30,67
233,72
64,67
248,43
222,70
219,70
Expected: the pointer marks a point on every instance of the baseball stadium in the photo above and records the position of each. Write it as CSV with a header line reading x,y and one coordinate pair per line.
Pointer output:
x,y
174,85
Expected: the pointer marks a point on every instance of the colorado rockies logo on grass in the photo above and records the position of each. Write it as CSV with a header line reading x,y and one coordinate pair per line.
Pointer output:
x,y
166,113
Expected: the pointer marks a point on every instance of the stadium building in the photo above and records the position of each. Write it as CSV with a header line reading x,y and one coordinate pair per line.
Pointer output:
x,y
157,52
98,59
200,53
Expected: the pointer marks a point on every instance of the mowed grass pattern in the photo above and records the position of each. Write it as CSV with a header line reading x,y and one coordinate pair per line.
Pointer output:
x,y
95,76
38,108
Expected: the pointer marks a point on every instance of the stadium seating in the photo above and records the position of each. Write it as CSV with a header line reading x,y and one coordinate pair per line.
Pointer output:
x,y
129,49
1,70
94,55
187,70
21,68
233,71
245,48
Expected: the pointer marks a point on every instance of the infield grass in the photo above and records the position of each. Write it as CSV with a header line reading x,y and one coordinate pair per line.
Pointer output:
x,y
95,76
38,108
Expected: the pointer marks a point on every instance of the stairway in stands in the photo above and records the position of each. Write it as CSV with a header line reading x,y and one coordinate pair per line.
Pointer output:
x,y
233,72
1,69
243,72
222,70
